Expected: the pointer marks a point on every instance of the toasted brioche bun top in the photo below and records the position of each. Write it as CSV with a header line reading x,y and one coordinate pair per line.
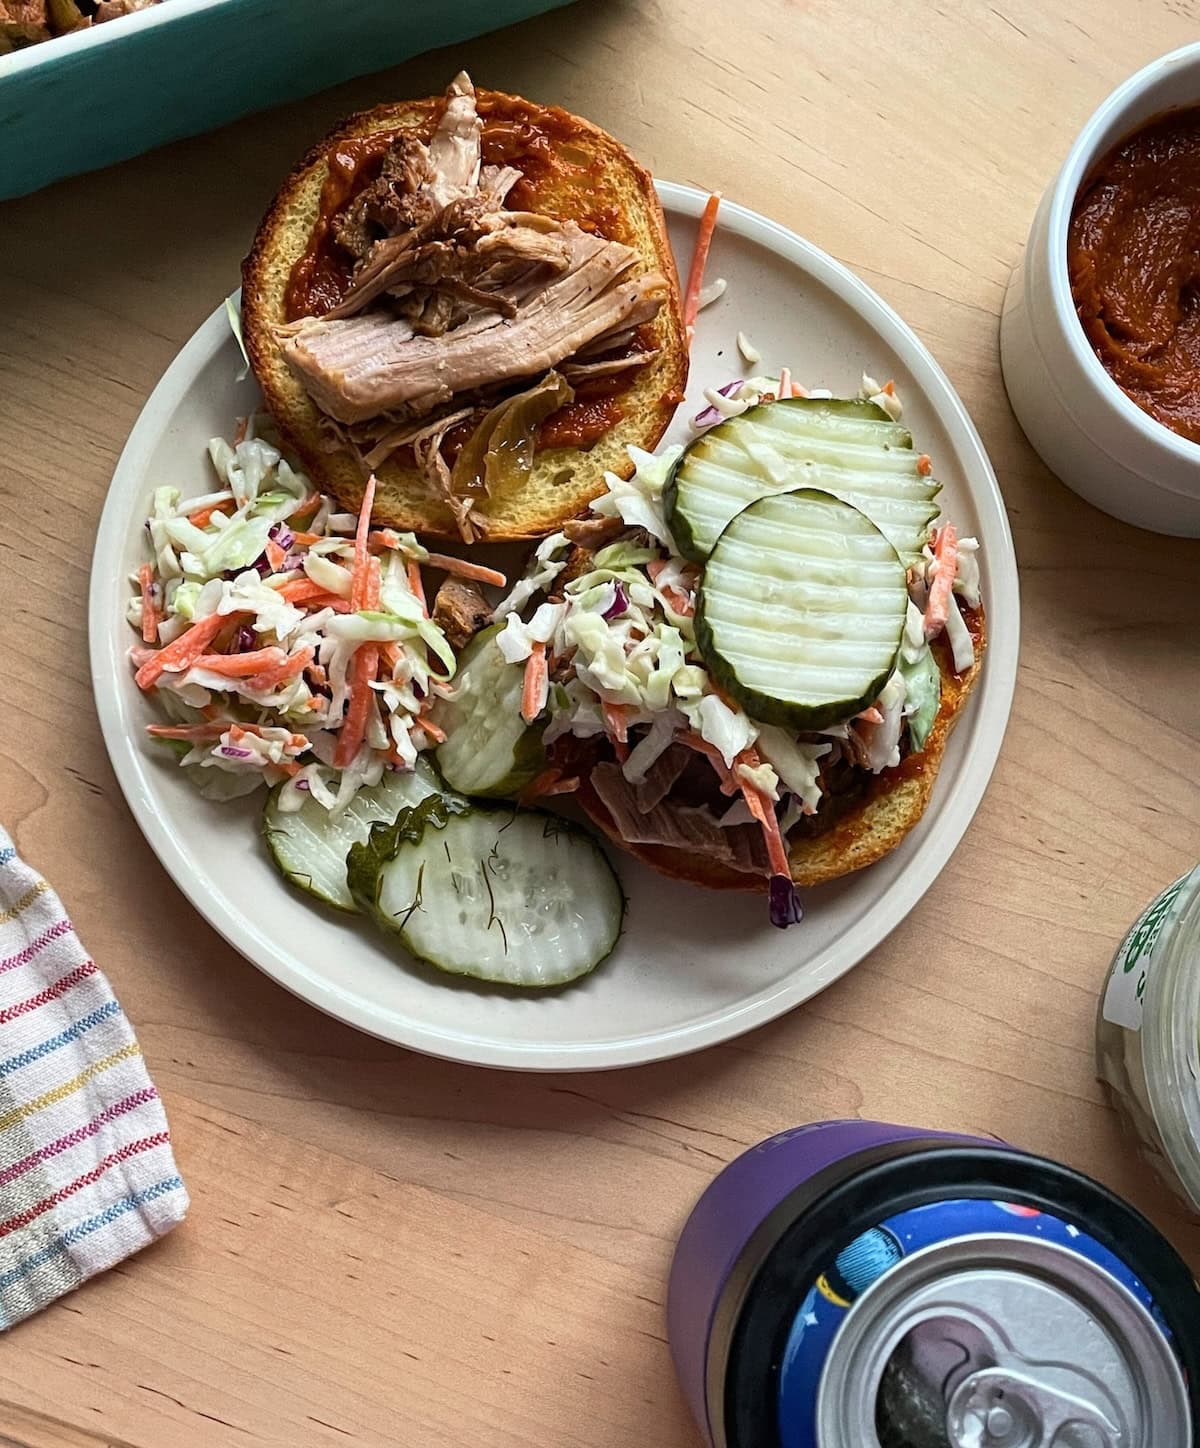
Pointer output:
x,y
871,828
572,171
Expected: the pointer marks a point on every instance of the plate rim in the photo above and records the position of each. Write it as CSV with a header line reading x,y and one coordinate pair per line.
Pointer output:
x,y
879,918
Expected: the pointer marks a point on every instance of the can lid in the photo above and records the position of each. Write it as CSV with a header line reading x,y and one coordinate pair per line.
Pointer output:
x,y
991,1341
751,1328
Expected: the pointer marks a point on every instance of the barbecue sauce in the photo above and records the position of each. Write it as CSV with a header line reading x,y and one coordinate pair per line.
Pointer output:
x,y
321,276
1133,254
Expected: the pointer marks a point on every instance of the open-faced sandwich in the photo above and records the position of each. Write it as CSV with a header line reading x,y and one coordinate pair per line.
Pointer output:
x,y
741,660
472,297
746,664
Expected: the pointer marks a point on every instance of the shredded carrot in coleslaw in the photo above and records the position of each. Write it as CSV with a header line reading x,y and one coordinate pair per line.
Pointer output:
x,y
270,679
202,517
150,614
460,568
416,587
945,555
763,810
363,668
274,646
695,281
536,686
550,781
186,649
616,718
361,573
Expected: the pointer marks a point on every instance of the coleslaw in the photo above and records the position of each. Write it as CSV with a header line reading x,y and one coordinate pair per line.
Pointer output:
x,y
611,654
285,642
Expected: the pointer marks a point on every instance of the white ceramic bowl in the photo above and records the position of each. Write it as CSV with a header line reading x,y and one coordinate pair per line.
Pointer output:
x,y
1098,441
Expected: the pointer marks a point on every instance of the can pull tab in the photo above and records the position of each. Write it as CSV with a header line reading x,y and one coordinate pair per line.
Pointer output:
x,y
1000,1407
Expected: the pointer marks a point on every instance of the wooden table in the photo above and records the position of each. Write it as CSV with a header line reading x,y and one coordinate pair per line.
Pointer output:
x,y
384,1249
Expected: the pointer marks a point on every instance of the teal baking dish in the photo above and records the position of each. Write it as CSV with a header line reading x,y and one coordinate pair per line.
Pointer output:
x,y
112,91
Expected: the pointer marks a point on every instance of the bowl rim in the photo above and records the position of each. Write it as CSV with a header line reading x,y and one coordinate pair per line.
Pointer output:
x,y
1080,158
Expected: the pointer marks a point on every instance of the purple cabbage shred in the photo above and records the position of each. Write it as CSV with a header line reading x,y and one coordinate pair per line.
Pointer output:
x,y
620,603
260,566
244,639
712,414
785,905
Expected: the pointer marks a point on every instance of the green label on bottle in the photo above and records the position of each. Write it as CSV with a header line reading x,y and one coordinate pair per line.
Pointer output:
x,y
1126,991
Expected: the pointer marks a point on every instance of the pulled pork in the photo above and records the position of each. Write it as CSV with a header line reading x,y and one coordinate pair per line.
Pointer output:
x,y
679,801
691,827
391,203
454,298
357,367
594,533
460,611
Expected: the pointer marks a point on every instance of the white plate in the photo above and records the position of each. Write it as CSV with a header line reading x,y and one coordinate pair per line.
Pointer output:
x,y
693,967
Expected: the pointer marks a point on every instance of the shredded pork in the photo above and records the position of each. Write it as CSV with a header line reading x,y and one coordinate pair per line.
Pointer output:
x,y
460,611
594,533
576,372
355,368
454,296
662,777
680,826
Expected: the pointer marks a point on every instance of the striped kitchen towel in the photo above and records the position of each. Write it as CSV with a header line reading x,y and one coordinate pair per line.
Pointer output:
x,y
86,1170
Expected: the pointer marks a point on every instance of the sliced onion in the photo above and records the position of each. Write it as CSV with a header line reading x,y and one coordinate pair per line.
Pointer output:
x,y
501,449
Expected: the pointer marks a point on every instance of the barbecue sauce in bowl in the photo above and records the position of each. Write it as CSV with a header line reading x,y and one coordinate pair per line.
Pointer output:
x,y
1133,256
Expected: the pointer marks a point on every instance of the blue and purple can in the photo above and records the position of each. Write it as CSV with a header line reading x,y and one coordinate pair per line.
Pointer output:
x,y
850,1284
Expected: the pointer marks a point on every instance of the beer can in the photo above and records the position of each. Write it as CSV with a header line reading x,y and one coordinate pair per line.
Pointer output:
x,y
853,1284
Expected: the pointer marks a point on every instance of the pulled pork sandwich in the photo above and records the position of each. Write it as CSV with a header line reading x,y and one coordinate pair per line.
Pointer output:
x,y
745,681
474,298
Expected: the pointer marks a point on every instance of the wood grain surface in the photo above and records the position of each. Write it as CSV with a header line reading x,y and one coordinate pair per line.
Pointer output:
x,y
384,1249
